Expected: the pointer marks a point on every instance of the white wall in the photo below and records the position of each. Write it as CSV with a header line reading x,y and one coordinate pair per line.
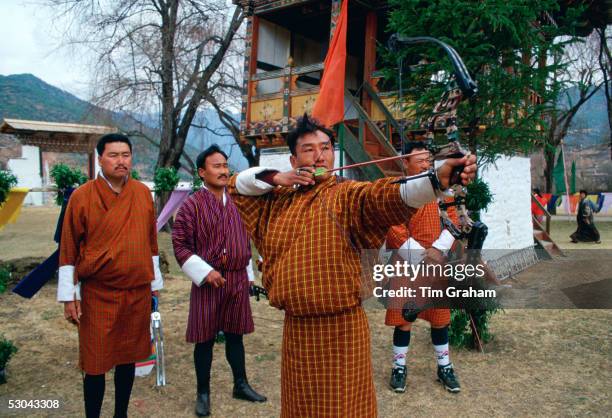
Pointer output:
x,y
509,216
27,170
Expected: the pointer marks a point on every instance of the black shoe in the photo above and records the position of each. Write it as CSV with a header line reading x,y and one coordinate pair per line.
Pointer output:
x,y
398,379
242,390
446,376
202,408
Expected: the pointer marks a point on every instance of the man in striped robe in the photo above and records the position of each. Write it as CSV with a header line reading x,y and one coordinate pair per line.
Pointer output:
x,y
310,233
212,247
421,237
109,266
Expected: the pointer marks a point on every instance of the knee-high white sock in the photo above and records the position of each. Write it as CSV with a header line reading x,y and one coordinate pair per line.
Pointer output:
x,y
399,356
442,354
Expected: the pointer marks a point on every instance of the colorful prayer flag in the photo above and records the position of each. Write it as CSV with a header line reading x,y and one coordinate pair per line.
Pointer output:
x,y
9,210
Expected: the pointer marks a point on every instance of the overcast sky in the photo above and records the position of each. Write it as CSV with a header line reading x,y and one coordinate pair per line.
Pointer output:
x,y
29,44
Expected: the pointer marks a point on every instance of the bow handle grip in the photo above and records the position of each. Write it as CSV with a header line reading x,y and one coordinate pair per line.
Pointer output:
x,y
455,177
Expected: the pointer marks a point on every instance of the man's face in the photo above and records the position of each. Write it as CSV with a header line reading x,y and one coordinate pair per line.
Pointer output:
x,y
215,172
314,150
419,163
583,195
116,160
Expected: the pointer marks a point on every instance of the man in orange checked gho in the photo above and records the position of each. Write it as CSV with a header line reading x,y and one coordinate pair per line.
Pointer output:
x,y
109,266
310,231
421,237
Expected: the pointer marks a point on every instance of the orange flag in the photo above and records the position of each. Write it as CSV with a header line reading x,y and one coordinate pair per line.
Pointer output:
x,y
329,107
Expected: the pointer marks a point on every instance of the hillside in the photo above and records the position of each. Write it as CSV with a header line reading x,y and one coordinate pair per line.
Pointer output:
x,y
24,96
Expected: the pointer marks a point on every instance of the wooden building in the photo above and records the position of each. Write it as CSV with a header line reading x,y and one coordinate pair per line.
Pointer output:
x,y
36,140
287,41
286,44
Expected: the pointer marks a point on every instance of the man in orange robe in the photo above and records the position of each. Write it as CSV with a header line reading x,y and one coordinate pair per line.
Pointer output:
x,y
310,235
421,236
109,266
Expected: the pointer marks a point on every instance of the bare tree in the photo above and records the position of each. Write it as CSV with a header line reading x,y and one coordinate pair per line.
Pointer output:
x,y
582,76
605,65
160,61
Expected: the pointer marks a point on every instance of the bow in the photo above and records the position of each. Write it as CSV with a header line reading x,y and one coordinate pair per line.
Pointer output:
x,y
470,232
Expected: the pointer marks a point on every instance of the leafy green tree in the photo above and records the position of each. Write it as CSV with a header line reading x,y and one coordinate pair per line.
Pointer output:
x,y
66,177
7,182
166,179
505,45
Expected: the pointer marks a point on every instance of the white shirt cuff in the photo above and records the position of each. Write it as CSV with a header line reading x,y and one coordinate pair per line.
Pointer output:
x,y
158,282
196,269
445,241
418,192
247,184
67,291
412,251
250,272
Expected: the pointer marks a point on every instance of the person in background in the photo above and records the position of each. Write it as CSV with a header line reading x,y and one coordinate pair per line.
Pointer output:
x,y
422,236
109,265
586,231
213,249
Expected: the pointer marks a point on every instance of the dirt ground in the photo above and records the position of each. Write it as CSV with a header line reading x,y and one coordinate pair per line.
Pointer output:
x,y
542,362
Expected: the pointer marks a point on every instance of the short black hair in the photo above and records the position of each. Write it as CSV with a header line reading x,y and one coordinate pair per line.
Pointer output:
x,y
307,125
410,146
584,191
537,191
213,149
109,138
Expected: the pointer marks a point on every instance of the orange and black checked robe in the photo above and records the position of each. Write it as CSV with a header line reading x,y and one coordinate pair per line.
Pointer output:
x,y
310,240
424,227
110,238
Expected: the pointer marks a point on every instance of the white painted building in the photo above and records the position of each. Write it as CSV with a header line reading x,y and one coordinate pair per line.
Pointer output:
x,y
27,171
509,215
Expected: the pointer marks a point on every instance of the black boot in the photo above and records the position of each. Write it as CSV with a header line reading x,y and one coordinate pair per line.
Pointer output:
x,y
242,390
202,408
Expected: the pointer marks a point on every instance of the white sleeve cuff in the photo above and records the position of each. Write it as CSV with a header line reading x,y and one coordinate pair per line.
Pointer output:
x,y
418,192
247,184
412,251
250,271
445,241
196,269
66,289
158,282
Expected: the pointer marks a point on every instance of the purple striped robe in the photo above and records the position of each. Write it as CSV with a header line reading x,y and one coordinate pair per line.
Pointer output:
x,y
205,228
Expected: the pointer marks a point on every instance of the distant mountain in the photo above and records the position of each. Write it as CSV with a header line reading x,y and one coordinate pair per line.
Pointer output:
x,y
24,96
590,125
206,130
